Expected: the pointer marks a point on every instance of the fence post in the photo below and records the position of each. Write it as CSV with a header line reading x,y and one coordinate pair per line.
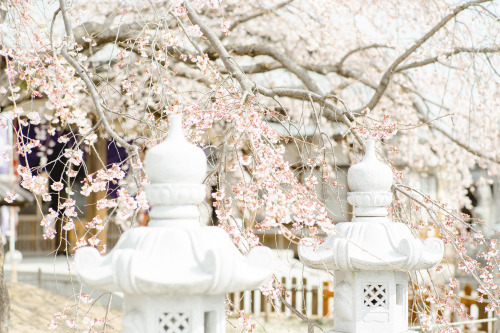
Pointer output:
x,y
309,298
289,290
257,302
39,277
247,301
299,293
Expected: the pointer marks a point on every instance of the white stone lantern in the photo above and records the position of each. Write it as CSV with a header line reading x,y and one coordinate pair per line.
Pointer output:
x,y
174,273
371,255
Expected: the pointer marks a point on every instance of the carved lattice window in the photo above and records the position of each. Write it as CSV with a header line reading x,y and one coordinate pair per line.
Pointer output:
x,y
375,295
174,322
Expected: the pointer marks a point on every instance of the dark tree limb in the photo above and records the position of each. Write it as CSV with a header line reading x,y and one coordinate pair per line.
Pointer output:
x,y
216,43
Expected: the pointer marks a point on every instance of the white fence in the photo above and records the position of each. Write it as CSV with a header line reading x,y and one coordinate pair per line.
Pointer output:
x,y
307,290
310,292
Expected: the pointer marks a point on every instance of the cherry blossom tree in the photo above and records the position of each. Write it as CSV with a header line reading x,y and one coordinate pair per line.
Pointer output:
x,y
421,76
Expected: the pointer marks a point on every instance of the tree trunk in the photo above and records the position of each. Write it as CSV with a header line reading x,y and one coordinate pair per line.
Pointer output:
x,y
4,295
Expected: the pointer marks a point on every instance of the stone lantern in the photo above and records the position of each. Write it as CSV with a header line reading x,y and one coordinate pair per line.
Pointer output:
x,y
371,255
174,273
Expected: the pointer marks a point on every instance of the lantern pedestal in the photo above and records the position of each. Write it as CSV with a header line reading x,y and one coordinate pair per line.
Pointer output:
x,y
370,301
176,314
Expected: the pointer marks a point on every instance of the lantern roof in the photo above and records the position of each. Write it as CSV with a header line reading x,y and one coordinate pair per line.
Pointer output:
x,y
174,255
371,241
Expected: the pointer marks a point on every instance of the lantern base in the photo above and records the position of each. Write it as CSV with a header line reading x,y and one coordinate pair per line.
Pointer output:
x,y
371,301
174,313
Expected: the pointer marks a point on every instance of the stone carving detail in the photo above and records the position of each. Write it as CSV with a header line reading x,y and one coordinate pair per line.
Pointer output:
x,y
174,322
372,199
175,194
373,246
375,295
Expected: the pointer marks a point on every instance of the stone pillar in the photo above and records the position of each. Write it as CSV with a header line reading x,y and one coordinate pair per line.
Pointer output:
x,y
174,273
371,255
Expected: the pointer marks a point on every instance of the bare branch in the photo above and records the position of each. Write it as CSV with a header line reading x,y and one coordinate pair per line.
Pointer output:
x,y
292,66
66,19
286,61
386,78
421,115
103,35
260,67
359,49
255,15
310,324
88,82
181,69
331,111
229,63
351,74
95,98
52,26
457,50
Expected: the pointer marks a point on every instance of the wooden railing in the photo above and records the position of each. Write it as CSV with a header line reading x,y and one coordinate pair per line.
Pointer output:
x,y
30,236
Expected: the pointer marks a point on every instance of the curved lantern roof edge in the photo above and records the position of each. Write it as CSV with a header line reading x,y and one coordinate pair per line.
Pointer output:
x,y
174,255
358,246
192,266
371,242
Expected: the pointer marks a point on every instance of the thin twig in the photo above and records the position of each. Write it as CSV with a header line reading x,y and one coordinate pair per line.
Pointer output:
x,y
310,324
108,308
255,15
96,98
359,49
457,50
386,78
421,115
